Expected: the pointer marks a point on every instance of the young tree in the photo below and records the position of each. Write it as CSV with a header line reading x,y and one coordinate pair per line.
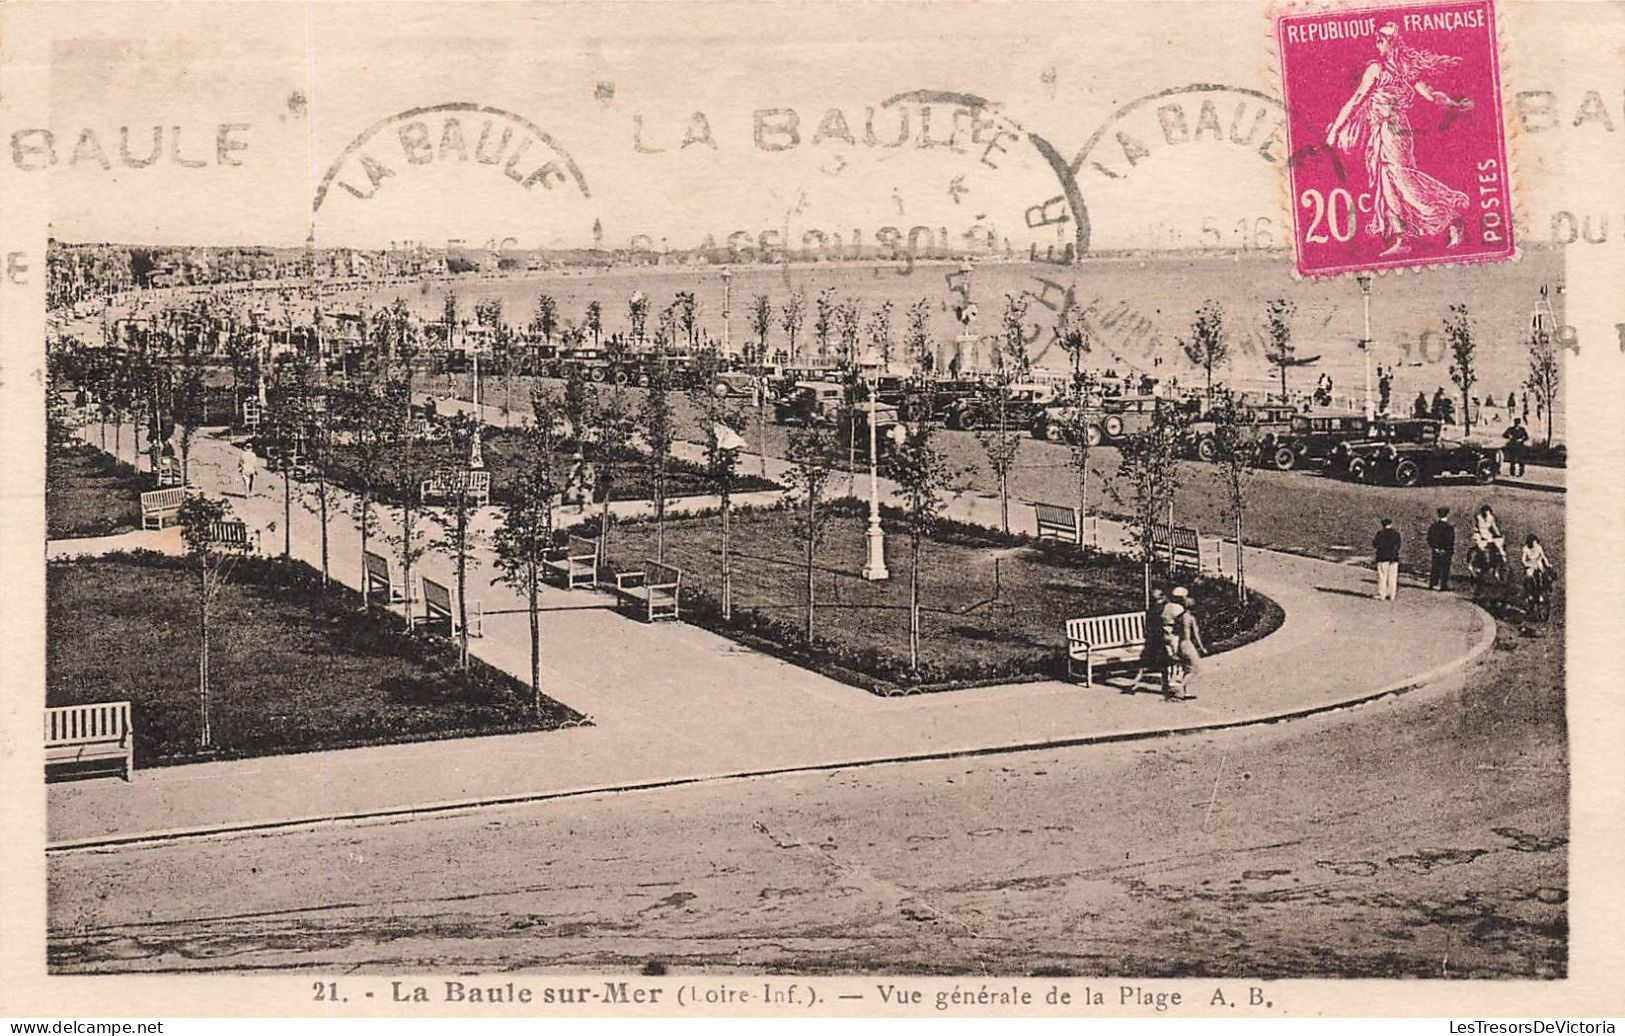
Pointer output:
x,y
792,315
812,457
411,464
824,322
594,321
637,311
658,419
546,320
1074,428
1207,347
1544,374
916,466
448,318
282,430
688,316
1280,352
580,402
371,431
197,517
189,394
1235,452
524,539
611,447
761,321
1458,331
880,334
1002,443
917,342
847,324
1149,467
453,518
722,422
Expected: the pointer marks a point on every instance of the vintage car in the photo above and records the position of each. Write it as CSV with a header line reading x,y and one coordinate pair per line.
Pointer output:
x,y
1313,437
810,402
1351,458
1411,463
1022,407
1104,421
852,432
1266,425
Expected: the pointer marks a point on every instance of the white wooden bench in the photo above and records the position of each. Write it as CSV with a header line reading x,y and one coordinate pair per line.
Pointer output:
x,y
1064,524
169,471
1189,549
233,536
1098,639
474,485
656,590
160,505
379,580
440,605
102,732
576,562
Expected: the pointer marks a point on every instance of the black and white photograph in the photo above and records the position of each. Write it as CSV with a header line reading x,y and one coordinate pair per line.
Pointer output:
x,y
813,508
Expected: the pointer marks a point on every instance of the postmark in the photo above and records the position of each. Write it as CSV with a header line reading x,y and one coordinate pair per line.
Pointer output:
x,y
1400,148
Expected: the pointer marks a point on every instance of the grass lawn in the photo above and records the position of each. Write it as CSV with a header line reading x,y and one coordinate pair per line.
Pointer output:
x,y
88,493
293,668
973,630
633,479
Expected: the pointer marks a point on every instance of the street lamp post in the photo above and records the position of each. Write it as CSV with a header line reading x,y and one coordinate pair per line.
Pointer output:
x,y
476,449
727,307
1364,280
874,567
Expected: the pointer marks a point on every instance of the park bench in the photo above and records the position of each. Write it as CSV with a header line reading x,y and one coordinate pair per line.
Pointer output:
x,y
475,485
1188,549
655,589
233,536
379,580
440,605
1063,524
169,471
576,562
158,505
102,732
1098,639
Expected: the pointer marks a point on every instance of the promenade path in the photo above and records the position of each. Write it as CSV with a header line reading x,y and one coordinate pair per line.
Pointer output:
x,y
672,703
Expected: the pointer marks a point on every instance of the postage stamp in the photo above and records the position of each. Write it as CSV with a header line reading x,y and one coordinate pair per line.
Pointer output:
x,y
1398,139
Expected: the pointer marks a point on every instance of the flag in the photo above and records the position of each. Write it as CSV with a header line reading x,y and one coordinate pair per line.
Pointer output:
x,y
727,438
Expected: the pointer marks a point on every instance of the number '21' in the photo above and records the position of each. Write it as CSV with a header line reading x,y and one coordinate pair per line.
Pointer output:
x,y
1327,210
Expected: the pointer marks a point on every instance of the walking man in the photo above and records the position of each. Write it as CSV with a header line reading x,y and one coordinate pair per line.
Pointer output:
x,y
1386,543
1442,544
248,465
1517,439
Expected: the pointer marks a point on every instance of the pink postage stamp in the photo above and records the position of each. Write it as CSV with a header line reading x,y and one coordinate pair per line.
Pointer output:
x,y
1399,151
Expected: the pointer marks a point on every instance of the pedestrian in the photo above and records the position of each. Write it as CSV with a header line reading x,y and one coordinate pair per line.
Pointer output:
x,y
1168,629
1517,441
1525,401
1420,407
1187,648
1512,401
1439,404
1442,544
1153,653
1386,543
247,466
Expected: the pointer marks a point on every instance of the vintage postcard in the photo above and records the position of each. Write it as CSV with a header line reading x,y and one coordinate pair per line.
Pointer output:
x,y
922,509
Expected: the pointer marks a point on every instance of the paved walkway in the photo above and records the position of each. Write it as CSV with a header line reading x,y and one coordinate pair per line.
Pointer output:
x,y
673,703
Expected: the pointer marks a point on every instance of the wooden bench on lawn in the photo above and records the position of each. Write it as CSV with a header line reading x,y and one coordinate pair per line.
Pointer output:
x,y
234,536
160,505
475,485
656,590
440,605
576,562
169,471
1189,549
1103,639
97,733
380,581
1063,523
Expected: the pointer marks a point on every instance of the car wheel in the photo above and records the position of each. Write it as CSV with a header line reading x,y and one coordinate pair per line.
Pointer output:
x,y
720,390
1406,473
1114,426
1093,435
620,377
1205,449
643,379
1356,469
597,374
1484,473
1285,458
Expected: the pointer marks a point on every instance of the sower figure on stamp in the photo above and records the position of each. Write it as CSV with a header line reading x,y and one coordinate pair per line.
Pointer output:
x,y
1406,202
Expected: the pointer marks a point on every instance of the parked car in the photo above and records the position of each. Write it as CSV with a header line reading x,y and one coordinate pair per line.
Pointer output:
x,y
1411,463
1104,421
1022,407
1313,437
811,402
1266,425
853,435
1351,458
736,384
